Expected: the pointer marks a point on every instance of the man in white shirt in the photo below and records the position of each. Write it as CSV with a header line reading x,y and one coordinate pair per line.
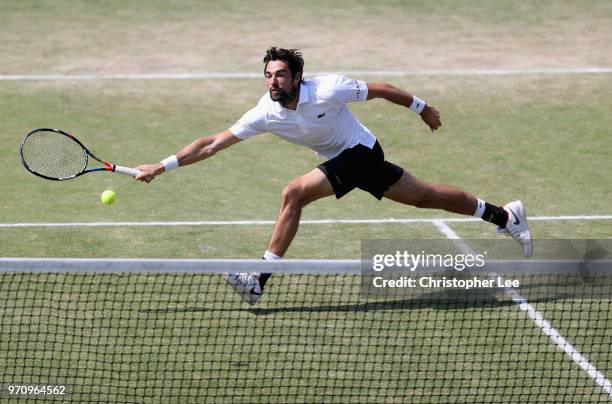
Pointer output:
x,y
314,113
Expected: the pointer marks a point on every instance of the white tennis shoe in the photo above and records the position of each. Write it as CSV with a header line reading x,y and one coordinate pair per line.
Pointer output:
x,y
246,284
517,227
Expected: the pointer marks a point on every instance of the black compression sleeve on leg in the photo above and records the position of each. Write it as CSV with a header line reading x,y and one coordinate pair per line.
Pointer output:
x,y
495,214
263,278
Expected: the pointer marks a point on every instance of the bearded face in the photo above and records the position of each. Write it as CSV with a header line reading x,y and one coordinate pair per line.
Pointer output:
x,y
282,85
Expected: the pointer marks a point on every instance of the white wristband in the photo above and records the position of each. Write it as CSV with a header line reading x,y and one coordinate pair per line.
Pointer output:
x,y
417,104
170,163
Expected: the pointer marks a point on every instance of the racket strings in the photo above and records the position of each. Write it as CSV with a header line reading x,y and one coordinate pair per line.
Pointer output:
x,y
53,154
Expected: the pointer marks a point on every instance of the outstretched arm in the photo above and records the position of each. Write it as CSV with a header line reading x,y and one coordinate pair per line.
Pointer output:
x,y
429,115
200,149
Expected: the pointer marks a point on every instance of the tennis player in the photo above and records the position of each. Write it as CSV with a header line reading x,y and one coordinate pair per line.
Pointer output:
x,y
314,113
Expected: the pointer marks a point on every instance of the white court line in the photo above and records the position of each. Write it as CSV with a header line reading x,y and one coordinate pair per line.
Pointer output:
x,y
270,222
446,230
251,75
538,319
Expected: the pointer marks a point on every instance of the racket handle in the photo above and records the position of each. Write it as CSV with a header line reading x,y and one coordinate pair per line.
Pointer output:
x,y
126,171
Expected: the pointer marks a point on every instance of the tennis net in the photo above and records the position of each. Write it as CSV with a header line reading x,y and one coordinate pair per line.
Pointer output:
x,y
136,331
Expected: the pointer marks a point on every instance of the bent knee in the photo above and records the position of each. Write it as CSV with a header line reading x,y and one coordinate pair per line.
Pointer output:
x,y
292,195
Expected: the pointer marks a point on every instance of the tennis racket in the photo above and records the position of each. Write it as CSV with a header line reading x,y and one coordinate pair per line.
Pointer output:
x,y
55,155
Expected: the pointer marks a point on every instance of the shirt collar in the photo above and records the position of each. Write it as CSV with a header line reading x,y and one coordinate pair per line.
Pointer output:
x,y
304,97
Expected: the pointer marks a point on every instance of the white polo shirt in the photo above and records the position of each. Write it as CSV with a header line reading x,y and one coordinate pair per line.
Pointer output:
x,y
322,120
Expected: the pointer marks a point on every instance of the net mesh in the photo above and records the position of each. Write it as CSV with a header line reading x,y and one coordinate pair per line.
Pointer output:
x,y
187,337
53,154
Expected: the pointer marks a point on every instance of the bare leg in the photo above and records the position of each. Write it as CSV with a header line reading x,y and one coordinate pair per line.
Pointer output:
x,y
409,190
299,193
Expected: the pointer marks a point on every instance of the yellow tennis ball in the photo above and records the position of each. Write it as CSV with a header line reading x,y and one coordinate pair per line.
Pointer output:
x,y
108,197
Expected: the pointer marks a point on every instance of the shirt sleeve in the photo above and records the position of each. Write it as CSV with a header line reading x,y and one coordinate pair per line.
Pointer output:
x,y
252,123
342,90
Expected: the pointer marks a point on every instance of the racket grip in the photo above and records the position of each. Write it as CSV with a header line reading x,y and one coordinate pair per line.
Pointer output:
x,y
126,171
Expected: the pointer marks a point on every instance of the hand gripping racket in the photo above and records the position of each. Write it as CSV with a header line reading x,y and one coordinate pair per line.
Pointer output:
x,y
56,155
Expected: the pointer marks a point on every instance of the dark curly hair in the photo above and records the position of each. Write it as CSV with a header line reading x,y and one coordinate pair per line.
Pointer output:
x,y
293,58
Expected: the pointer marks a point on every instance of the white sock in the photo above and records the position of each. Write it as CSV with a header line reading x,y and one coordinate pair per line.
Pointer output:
x,y
480,208
271,256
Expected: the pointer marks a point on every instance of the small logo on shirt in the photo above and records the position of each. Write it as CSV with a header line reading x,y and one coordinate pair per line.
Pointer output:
x,y
321,115
358,89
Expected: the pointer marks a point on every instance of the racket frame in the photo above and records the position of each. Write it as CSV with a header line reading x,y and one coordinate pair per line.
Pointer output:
x,y
107,166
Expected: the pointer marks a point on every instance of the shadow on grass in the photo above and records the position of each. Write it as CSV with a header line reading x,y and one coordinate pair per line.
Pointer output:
x,y
477,298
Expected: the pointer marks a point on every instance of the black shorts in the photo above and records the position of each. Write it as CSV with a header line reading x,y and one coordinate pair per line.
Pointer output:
x,y
363,168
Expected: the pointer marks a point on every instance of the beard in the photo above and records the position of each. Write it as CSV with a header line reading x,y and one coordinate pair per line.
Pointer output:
x,y
281,96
